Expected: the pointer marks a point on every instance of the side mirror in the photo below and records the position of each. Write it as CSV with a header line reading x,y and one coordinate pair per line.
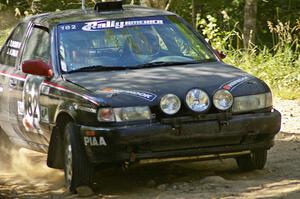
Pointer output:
x,y
220,54
37,67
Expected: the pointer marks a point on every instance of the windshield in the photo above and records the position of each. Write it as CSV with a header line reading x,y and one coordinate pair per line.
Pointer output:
x,y
129,43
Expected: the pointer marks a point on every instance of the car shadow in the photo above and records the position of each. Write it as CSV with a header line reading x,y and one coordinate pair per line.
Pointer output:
x,y
214,178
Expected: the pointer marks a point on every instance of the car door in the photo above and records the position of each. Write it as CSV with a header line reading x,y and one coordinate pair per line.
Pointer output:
x,y
9,55
25,112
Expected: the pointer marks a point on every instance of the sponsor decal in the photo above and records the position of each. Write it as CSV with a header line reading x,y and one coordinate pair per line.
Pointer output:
x,y
44,114
68,27
45,90
94,141
20,108
234,83
141,94
12,52
14,44
98,25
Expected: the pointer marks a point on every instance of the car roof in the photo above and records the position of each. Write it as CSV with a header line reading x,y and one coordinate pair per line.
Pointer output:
x,y
67,16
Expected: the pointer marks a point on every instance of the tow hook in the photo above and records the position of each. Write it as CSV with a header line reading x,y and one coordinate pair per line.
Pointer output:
x,y
127,164
224,123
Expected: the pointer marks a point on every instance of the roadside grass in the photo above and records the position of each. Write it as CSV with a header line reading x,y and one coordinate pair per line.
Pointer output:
x,y
278,66
281,71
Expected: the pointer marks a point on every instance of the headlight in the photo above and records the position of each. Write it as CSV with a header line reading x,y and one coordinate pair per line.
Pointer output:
x,y
170,104
124,114
252,102
197,100
132,114
223,100
106,115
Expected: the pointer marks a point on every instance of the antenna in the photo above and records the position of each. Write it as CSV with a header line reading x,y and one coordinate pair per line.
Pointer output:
x,y
83,5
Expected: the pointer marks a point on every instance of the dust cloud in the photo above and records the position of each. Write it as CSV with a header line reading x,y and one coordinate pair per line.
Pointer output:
x,y
23,170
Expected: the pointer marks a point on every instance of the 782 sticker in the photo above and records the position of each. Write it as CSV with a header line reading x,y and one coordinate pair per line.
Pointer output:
x,y
32,109
68,27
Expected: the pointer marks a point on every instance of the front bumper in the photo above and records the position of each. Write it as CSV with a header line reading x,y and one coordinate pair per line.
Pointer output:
x,y
182,137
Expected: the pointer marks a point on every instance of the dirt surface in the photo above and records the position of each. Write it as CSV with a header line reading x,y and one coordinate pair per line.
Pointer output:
x,y
30,178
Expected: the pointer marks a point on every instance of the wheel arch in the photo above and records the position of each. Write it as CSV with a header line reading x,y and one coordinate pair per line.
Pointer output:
x,y
55,157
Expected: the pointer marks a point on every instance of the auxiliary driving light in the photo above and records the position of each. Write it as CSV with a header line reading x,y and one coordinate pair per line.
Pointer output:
x,y
170,104
197,100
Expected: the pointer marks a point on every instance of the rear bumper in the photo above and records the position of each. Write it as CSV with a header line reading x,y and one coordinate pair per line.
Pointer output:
x,y
182,137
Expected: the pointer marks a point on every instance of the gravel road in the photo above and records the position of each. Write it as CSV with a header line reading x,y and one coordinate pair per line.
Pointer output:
x,y
30,178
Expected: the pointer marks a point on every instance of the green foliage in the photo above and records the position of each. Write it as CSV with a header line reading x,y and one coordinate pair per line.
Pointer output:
x,y
182,8
41,6
277,62
221,40
279,66
274,10
7,22
279,70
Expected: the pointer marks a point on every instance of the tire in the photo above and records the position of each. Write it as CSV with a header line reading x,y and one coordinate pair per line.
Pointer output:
x,y
78,170
255,160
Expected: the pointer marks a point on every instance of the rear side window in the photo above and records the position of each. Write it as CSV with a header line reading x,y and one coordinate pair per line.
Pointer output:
x,y
12,47
37,46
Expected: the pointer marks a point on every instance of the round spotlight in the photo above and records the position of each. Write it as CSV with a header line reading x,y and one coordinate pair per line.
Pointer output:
x,y
197,100
170,104
223,100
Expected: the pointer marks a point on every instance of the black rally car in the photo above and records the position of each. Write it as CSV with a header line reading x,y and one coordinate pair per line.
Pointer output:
x,y
125,84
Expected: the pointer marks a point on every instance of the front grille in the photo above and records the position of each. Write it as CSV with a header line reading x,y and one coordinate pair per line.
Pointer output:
x,y
195,118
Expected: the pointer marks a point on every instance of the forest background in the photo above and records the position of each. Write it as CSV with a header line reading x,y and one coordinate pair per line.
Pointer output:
x,y
259,36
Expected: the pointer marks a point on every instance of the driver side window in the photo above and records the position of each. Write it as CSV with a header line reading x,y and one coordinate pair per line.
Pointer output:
x,y
10,51
37,46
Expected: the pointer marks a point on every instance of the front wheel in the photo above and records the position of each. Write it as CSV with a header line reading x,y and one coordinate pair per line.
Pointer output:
x,y
255,160
78,170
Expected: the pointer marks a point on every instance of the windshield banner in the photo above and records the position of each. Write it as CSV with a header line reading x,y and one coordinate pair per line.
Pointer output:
x,y
115,24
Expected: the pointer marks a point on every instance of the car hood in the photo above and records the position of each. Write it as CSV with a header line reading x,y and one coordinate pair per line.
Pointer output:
x,y
147,86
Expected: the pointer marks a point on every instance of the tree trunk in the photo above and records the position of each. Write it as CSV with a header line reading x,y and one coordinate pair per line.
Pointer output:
x,y
250,11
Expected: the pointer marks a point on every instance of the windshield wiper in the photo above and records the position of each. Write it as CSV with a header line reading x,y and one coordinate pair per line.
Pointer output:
x,y
162,63
98,68
147,65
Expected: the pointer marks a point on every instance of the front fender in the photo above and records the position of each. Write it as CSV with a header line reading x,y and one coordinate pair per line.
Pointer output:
x,y
68,108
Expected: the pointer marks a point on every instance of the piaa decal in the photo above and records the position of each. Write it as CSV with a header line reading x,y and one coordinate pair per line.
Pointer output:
x,y
94,141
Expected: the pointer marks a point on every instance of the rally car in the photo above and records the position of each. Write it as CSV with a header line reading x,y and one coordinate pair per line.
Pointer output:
x,y
126,84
